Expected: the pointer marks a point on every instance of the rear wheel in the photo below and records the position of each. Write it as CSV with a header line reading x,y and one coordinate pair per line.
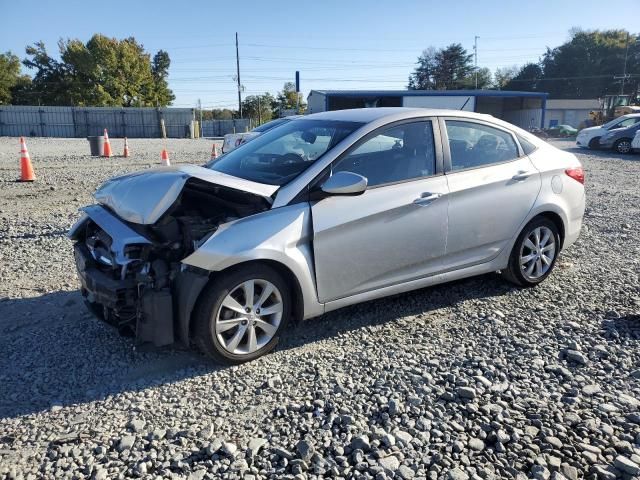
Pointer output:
x,y
594,143
623,145
534,253
242,314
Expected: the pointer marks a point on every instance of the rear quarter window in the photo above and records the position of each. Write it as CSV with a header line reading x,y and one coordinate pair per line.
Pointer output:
x,y
527,147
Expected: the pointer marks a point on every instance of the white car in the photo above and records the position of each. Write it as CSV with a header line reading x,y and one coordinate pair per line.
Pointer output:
x,y
590,137
234,140
635,144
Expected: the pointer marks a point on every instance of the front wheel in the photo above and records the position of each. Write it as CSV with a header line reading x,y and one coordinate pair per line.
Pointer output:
x,y
242,314
623,145
534,253
594,143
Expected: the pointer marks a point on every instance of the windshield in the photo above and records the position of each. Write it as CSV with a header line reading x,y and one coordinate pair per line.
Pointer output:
x,y
284,152
269,125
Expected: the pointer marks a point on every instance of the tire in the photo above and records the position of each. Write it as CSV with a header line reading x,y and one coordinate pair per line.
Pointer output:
x,y
623,146
517,272
594,143
216,326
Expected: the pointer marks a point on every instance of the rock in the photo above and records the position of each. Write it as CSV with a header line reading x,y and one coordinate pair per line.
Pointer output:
x,y
592,389
540,472
255,445
361,443
394,407
126,442
281,452
403,437
305,450
405,472
466,392
555,442
576,357
390,464
229,448
388,440
569,471
626,465
457,474
136,425
476,444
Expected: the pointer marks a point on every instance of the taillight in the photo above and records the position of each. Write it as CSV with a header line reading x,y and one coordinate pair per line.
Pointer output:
x,y
576,173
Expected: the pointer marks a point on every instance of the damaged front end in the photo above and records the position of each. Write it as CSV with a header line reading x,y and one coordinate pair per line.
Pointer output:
x,y
128,257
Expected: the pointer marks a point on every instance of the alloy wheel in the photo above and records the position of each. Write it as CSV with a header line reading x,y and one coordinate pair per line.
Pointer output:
x,y
249,317
537,253
624,146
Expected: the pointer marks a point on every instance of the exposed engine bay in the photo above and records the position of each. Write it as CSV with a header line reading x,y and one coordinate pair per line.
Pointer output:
x,y
131,273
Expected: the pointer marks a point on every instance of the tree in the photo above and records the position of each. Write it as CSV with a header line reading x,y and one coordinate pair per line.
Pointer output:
x,y
423,78
10,77
503,75
258,107
585,66
528,79
103,72
160,72
219,114
289,99
449,68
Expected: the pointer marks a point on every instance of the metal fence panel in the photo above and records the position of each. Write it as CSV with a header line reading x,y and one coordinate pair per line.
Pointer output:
x,y
36,121
219,128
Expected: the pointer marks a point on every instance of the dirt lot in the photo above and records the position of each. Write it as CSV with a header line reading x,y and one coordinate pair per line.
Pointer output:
x,y
474,379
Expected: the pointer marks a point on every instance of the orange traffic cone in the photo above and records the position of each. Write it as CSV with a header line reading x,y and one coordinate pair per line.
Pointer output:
x,y
126,148
214,152
164,157
26,170
106,152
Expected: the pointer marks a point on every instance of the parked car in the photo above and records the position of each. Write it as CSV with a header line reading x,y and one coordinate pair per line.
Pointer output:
x,y
561,131
325,211
620,139
635,144
590,137
234,140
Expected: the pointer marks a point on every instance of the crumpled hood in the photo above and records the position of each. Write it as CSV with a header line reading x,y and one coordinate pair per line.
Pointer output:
x,y
142,197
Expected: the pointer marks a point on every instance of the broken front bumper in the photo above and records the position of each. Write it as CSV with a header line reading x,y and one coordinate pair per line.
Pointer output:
x,y
135,304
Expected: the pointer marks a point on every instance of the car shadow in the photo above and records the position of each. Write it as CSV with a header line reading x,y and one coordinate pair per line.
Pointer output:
x,y
624,326
54,353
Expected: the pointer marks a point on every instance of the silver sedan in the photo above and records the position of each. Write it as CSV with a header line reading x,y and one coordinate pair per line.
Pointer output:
x,y
324,211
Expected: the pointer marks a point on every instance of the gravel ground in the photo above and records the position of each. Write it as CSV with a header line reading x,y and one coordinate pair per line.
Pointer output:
x,y
474,379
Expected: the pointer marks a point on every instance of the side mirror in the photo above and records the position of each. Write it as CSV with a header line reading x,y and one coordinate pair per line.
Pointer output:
x,y
345,183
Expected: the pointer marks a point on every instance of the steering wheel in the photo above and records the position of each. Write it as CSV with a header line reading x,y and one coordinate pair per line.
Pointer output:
x,y
290,158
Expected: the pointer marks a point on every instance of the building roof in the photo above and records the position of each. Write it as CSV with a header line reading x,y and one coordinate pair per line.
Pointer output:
x,y
429,93
366,115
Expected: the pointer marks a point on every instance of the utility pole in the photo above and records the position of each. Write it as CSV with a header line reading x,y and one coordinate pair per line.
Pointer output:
x,y
475,57
624,74
259,111
200,108
238,75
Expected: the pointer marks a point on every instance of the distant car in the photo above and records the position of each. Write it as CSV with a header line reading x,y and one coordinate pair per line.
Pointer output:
x,y
325,211
635,144
562,131
590,137
620,139
234,140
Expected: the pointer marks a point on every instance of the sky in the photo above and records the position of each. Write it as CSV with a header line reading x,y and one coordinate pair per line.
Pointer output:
x,y
347,44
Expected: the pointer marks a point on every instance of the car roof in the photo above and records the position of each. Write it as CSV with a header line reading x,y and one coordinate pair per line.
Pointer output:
x,y
367,115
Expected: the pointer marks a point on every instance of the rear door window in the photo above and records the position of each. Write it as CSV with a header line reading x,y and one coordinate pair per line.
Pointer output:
x,y
474,145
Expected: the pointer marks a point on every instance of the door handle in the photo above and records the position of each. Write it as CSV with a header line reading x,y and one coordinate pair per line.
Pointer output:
x,y
521,175
427,198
